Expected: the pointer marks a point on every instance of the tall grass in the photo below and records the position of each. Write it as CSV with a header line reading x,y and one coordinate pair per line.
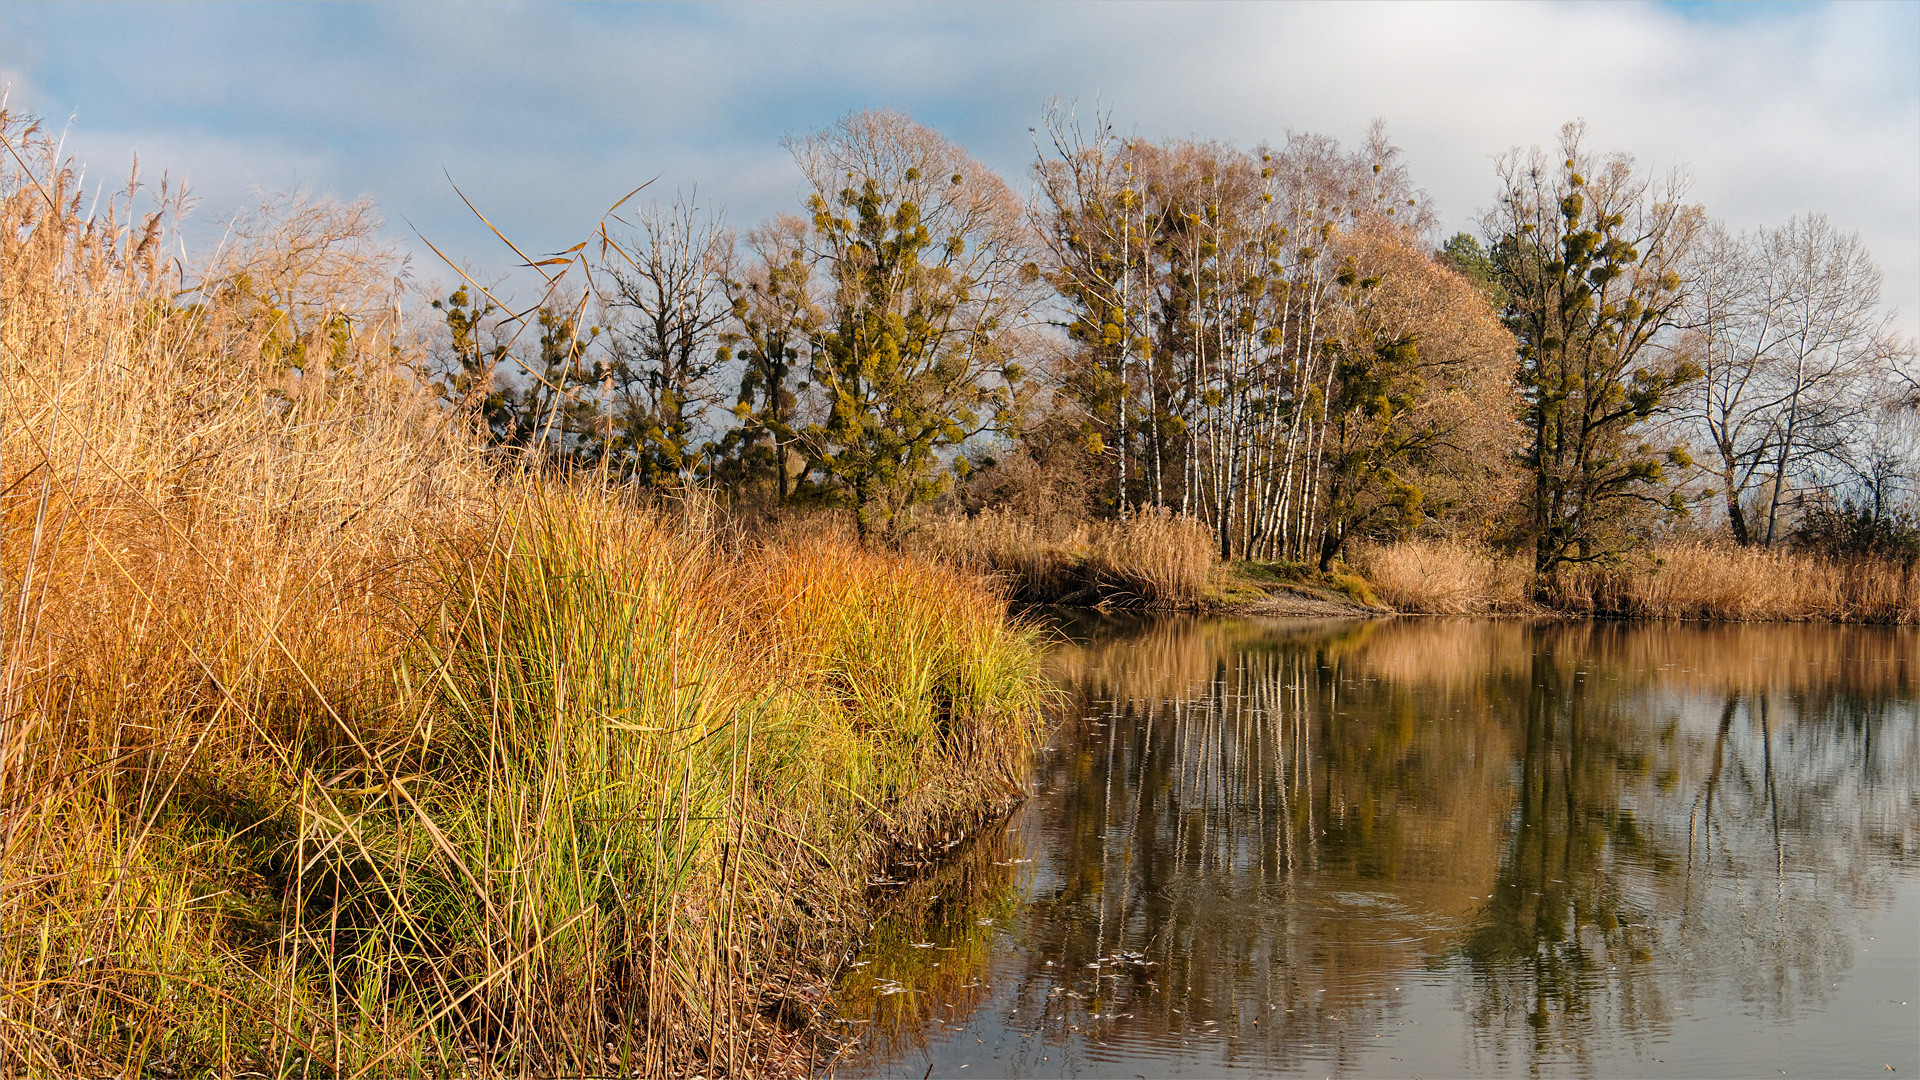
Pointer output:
x,y
1711,581
1446,577
329,745
1154,559
1675,580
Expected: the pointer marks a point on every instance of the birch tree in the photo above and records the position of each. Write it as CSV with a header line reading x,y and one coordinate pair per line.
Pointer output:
x,y
1085,223
1201,285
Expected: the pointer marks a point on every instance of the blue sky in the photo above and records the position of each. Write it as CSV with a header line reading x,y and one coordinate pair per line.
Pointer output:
x,y
545,114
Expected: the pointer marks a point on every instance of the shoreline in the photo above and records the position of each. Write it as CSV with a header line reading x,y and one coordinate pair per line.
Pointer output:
x,y
1293,605
1235,594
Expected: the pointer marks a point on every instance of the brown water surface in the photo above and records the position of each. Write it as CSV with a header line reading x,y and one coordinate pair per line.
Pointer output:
x,y
1432,848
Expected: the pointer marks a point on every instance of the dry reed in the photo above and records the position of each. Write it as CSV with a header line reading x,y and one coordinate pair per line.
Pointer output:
x,y
1154,559
1445,577
1676,580
1712,581
329,744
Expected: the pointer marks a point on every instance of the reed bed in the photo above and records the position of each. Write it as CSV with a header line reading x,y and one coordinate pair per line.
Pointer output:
x,y
330,745
1446,577
1722,582
1153,559
1674,580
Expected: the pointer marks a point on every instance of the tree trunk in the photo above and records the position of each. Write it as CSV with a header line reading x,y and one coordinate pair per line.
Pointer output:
x,y
1736,517
1331,540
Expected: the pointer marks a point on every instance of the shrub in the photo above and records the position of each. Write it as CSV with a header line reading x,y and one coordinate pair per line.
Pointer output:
x,y
1846,530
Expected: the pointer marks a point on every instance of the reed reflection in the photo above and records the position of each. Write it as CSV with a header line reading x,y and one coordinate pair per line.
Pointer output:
x,y
926,963
1249,838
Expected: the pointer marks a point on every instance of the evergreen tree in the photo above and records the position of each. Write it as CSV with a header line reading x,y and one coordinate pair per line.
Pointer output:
x,y
560,415
1371,444
1463,254
551,407
773,314
468,379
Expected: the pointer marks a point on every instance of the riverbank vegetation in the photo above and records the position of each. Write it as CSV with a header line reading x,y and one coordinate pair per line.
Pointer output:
x,y
403,677
1680,579
1272,345
1151,559
333,742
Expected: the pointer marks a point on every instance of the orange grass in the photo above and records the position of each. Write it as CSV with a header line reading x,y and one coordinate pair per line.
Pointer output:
x,y
1445,577
1153,559
330,745
1712,581
1674,580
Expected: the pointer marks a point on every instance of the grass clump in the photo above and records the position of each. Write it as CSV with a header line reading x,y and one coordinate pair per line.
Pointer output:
x,y
1153,559
1446,577
1672,580
332,745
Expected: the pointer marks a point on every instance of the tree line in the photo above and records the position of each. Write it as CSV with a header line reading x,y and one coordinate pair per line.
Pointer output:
x,y
1269,340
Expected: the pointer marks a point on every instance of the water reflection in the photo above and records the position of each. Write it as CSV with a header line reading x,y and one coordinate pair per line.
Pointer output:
x,y
1290,846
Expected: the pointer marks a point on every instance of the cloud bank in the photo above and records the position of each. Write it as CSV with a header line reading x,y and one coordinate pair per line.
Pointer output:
x,y
546,114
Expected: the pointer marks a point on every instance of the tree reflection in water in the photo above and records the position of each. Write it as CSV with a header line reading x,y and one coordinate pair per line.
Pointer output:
x,y
1249,838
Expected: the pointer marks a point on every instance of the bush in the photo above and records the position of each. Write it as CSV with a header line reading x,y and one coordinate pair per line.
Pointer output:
x,y
1849,531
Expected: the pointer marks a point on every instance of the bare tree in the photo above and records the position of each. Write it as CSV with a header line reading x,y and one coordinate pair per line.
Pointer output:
x,y
1906,378
1829,352
310,282
1884,463
667,307
1734,322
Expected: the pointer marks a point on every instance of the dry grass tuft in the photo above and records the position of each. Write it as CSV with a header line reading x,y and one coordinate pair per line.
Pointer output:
x,y
1154,559
1446,577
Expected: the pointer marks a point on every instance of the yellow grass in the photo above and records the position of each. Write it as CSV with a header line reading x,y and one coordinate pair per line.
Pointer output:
x,y
1446,577
330,745
1711,581
1676,580
1152,559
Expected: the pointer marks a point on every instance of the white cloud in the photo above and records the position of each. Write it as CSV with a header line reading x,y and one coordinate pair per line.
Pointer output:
x,y
544,114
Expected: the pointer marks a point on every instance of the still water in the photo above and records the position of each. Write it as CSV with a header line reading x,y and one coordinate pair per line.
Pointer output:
x,y
1432,848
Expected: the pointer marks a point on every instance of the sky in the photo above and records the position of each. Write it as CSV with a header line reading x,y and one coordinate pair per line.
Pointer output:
x,y
546,114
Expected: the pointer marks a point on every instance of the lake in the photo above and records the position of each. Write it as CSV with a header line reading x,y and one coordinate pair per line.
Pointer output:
x,y
1430,847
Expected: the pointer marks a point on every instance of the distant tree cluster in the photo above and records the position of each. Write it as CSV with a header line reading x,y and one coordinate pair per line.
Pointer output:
x,y
1262,339
1269,340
